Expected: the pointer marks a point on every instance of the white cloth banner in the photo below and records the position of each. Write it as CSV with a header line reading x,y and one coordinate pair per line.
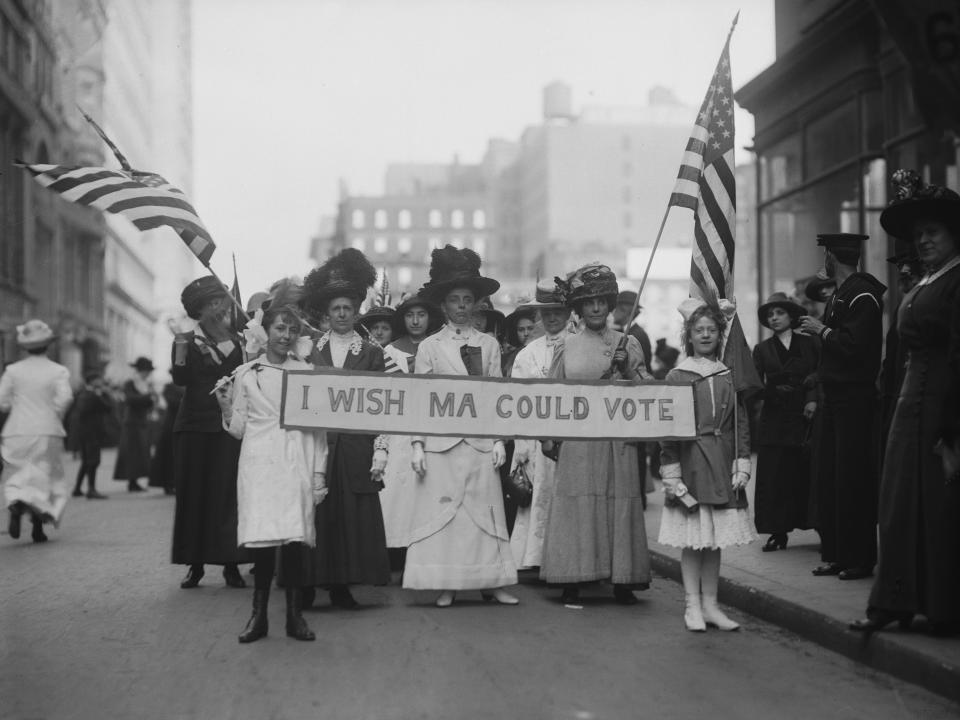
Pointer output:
x,y
463,406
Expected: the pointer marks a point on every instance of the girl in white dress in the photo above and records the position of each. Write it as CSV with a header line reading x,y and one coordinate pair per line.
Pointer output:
x,y
705,479
281,475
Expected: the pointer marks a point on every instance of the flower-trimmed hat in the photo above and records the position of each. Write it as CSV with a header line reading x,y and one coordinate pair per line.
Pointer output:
x,y
779,299
451,268
593,280
346,274
915,201
34,334
545,297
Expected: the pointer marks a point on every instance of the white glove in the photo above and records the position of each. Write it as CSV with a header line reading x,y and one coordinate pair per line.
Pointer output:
x,y
499,453
319,487
672,483
379,465
183,327
417,461
740,480
740,473
521,453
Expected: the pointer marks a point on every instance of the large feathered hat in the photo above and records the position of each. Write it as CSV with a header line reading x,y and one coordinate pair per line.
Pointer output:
x,y
346,274
593,280
452,268
915,201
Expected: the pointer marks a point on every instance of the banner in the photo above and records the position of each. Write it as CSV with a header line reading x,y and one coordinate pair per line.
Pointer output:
x,y
463,406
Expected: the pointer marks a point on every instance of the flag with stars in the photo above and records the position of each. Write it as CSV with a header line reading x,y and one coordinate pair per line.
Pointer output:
x,y
706,185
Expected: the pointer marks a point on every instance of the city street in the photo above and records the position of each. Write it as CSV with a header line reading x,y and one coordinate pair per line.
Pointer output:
x,y
95,626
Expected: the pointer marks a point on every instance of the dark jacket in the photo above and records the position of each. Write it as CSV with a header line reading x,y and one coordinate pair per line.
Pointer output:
x,y
199,410
789,383
850,353
87,419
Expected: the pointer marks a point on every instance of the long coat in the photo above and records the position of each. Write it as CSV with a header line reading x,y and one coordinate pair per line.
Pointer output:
x,y
783,462
204,462
919,570
133,454
351,543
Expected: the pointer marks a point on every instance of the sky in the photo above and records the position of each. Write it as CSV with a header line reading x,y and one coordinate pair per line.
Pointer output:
x,y
291,96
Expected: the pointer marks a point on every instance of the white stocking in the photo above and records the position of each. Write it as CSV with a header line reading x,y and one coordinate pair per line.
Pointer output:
x,y
710,581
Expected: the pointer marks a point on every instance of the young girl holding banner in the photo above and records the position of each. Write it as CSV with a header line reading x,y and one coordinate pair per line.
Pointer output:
x,y
705,479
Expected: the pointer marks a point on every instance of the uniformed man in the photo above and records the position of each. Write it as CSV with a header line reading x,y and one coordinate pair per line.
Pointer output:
x,y
848,464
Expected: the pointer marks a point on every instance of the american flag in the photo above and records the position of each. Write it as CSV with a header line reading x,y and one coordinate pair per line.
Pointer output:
x,y
144,198
706,185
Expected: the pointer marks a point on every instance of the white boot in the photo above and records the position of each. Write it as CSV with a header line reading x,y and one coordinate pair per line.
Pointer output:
x,y
692,614
713,615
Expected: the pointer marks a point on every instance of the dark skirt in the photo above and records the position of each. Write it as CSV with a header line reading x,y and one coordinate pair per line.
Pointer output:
x,y
351,542
205,519
133,453
161,467
783,489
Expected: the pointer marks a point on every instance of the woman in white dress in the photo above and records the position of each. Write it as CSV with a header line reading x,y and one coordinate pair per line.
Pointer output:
x,y
281,475
705,479
459,537
534,362
36,392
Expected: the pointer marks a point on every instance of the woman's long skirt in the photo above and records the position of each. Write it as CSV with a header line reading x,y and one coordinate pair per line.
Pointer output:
x,y
595,529
133,452
526,539
397,497
783,489
35,477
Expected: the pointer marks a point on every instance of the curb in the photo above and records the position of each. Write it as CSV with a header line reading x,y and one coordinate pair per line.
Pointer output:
x,y
880,651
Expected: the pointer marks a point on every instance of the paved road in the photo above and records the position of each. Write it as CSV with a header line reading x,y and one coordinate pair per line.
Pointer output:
x,y
94,625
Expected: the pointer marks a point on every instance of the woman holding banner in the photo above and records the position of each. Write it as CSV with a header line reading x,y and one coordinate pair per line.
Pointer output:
x,y
595,529
459,538
351,548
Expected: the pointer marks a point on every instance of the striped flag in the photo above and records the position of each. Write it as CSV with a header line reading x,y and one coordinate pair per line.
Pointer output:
x,y
146,199
706,185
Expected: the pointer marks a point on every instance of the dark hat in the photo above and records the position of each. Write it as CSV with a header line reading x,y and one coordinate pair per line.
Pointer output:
x,y
377,313
915,201
451,268
545,297
142,363
627,297
778,299
435,317
521,313
199,292
904,252
590,281
346,274
667,354
815,284
485,306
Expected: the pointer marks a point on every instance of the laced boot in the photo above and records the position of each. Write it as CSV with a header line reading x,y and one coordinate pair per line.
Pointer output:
x,y
297,627
693,614
257,624
713,615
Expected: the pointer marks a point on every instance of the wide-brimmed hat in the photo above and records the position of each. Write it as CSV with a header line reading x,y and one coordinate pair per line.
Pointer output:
x,y
485,306
510,324
904,253
346,274
815,284
593,280
451,268
794,309
34,334
545,297
915,201
377,313
142,363
199,292
433,313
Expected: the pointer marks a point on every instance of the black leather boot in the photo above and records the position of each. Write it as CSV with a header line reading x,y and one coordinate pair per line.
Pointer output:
x,y
257,624
16,514
38,535
193,577
232,577
297,627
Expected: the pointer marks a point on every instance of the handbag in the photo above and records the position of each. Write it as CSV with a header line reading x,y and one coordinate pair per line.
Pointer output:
x,y
520,487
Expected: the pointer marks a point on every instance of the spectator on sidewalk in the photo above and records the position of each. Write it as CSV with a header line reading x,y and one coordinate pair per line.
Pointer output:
x,y
919,570
36,392
133,453
161,467
705,479
851,335
88,431
786,363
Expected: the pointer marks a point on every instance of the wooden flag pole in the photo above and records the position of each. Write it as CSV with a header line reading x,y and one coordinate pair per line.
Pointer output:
x,y
646,272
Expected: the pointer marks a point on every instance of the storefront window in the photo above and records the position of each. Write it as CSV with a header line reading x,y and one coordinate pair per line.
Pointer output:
x,y
780,167
832,139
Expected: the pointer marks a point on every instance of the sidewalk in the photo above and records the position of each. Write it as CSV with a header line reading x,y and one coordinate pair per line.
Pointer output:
x,y
778,587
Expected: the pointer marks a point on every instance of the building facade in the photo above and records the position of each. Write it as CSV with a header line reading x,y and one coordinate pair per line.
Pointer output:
x,y
839,110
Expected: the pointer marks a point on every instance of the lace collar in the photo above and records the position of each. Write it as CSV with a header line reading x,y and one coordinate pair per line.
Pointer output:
x,y
353,340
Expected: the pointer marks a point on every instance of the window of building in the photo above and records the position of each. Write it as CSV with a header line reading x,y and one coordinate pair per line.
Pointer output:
x,y
380,219
435,219
456,219
781,167
380,245
479,244
359,243
404,219
479,219
404,275
832,139
436,242
357,219
404,245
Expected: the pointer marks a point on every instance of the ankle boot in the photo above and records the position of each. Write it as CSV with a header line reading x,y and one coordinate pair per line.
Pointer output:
x,y
297,627
232,577
713,615
193,577
38,535
257,624
693,615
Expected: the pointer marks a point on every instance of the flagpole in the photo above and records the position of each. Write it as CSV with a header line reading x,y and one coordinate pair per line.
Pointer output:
x,y
646,272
